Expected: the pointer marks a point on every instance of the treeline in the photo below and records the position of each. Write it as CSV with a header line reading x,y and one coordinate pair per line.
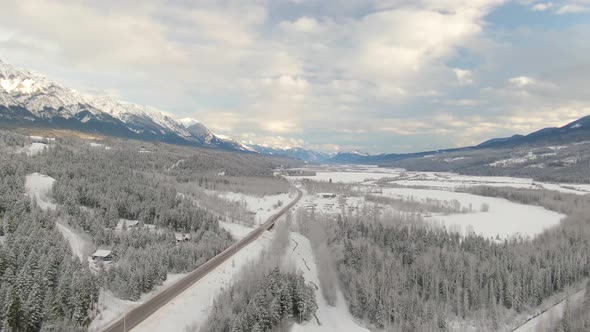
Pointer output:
x,y
42,285
428,205
565,203
250,185
401,275
265,295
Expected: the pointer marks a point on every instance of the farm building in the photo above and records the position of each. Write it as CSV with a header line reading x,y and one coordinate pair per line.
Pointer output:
x,y
181,237
102,255
126,224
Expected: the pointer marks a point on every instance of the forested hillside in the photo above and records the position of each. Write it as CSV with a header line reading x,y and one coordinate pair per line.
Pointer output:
x,y
99,188
399,273
266,295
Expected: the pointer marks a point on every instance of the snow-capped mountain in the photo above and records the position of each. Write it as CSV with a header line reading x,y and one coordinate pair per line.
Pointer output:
x,y
31,99
297,153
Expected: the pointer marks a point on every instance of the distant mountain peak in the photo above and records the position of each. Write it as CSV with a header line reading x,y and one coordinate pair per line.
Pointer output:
x,y
354,152
188,121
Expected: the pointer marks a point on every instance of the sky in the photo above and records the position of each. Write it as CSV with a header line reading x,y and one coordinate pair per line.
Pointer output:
x,y
339,75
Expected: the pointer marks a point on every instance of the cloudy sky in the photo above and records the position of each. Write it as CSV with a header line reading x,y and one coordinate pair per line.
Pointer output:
x,y
374,75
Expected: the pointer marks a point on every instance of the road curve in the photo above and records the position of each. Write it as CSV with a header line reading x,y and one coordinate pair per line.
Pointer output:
x,y
140,313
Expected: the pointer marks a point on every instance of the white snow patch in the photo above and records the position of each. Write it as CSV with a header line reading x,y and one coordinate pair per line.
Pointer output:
x,y
33,148
38,186
449,160
42,139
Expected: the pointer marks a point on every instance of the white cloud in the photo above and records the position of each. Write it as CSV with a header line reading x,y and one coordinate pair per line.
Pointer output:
x,y
521,81
573,8
464,76
542,6
90,35
303,24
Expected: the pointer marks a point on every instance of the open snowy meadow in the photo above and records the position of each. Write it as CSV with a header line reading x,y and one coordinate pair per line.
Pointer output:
x,y
500,217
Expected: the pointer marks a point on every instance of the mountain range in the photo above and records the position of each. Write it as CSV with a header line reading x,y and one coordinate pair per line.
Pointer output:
x,y
31,99
571,133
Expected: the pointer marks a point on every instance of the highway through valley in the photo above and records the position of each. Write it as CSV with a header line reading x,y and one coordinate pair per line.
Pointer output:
x,y
143,311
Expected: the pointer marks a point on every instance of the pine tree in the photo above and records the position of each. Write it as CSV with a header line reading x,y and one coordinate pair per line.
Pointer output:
x,y
35,308
13,312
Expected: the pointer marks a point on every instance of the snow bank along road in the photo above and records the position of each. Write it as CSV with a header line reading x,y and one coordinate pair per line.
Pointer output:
x,y
140,313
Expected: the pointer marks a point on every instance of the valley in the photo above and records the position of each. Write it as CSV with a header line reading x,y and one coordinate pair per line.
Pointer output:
x,y
295,166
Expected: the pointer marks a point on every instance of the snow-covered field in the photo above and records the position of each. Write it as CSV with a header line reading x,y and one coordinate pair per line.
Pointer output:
x,y
504,218
329,318
191,308
436,180
262,206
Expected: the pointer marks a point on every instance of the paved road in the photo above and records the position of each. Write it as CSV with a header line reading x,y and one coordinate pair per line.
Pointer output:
x,y
140,313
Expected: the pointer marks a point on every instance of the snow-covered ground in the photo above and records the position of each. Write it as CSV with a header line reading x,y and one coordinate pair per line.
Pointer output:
x,y
33,148
112,307
237,231
262,206
38,187
81,244
504,218
437,180
331,318
191,308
